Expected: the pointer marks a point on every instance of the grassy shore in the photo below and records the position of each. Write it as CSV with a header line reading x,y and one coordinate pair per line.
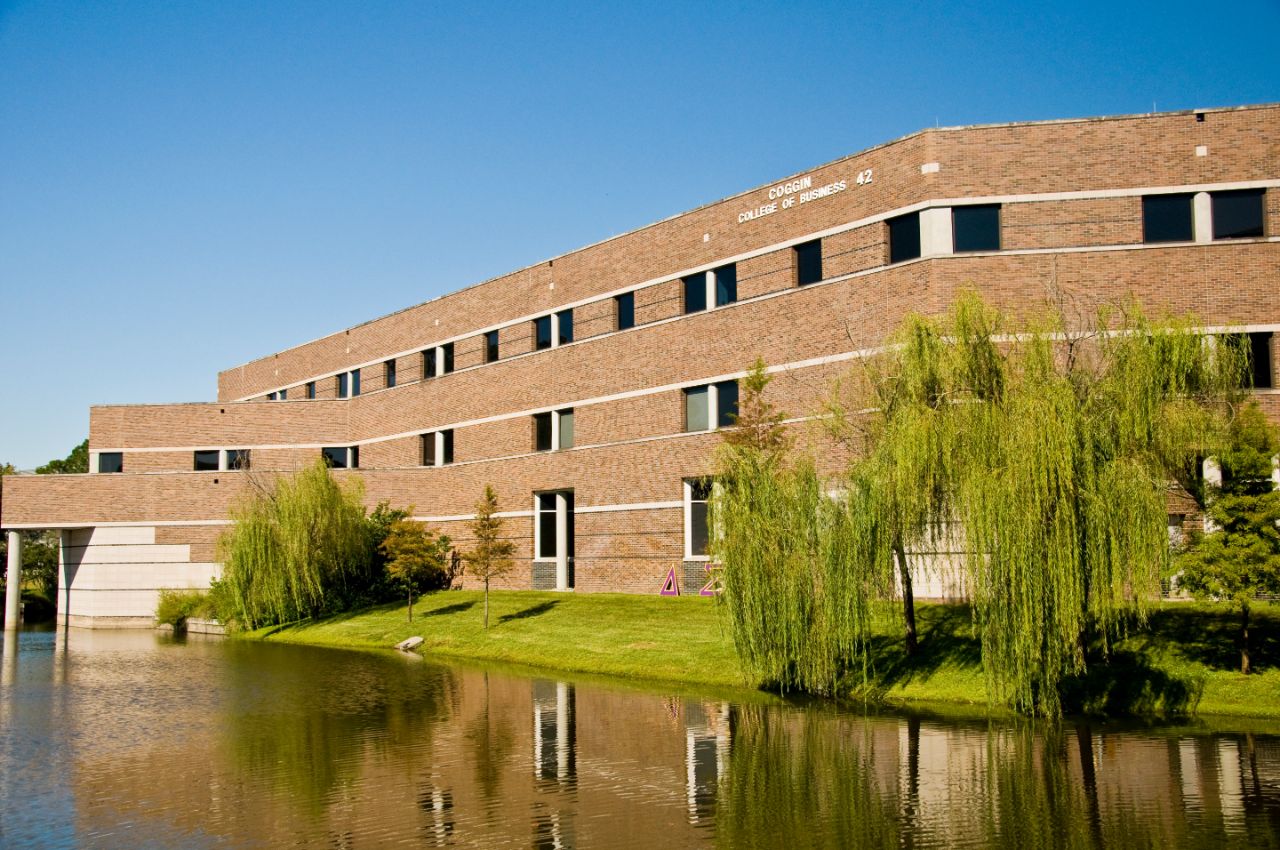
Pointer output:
x,y
1187,661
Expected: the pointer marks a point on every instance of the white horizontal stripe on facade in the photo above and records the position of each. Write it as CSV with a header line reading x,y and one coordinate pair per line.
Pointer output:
x,y
1084,194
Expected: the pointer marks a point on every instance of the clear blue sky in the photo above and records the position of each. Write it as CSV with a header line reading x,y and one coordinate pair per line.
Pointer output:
x,y
187,186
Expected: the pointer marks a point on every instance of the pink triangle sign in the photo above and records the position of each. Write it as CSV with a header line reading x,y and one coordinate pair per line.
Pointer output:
x,y
670,587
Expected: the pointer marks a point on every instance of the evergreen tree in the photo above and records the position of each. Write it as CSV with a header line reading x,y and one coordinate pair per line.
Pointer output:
x,y
1240,557
491,557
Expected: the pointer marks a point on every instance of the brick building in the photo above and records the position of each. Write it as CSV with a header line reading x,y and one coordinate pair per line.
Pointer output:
x,y
587,388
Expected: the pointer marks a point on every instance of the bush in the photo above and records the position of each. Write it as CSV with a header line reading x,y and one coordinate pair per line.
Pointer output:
x,y
176,606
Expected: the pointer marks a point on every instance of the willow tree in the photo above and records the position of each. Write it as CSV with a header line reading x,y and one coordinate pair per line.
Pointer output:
x,y
296,545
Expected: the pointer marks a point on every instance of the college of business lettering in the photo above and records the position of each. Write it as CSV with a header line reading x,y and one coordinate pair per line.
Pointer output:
x,y
784,196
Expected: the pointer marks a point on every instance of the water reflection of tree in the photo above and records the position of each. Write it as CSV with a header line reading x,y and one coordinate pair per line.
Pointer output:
x,y
491,740
302,721
819,780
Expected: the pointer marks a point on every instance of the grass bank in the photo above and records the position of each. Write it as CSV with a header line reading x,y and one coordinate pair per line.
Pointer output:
x,y
1186,661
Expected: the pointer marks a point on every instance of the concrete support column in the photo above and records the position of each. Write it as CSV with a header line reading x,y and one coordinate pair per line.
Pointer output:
x,y
935,232
711,290
439,361
555,330
13,588
64,580
555,435
562,542
438,437
1202,217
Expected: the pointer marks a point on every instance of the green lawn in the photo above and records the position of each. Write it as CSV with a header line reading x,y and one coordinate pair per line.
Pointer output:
x,y
1186,661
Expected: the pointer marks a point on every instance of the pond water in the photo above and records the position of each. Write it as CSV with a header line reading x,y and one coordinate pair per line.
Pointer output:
x,y
133,740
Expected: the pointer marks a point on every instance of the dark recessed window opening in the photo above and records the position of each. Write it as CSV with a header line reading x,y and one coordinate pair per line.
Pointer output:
x,y
726,403
699,515
238,459
726,284
695,409
429,363
695,292
624,307
205,461
355,457
1260,360
428,449
446,440
447,351
542,432
1238,214
272,396
976,228
541,333
355,382
111,462
389,372
342,385
564,319
808,262
1167,218
490,346
335,456
311,389
904,237
546,525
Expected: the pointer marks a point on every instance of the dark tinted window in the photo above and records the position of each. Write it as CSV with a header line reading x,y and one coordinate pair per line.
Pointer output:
x,y
355,457
699,492
695,292
726,403
625,307
428,449
272,396
311,389
284,394
726,284
976,228
490,346
342,385
568,525
565,320
1237,215
546,525
237,458
447,454
111,462
1167,218
447,351
542,432
1260,360
695,409
390,372
205,461
355,382
429,363
335,456
904,237
541,333
809,262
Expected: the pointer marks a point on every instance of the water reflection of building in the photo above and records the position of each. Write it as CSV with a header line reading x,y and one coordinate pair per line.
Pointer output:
x,y
708,736
554,731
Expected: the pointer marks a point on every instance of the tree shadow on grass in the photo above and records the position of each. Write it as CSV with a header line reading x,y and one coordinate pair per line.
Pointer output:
x,y
534,611
1127,684
1211,635
947,640
456,608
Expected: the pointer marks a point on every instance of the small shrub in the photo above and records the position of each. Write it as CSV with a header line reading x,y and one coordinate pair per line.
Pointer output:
x,y
176,606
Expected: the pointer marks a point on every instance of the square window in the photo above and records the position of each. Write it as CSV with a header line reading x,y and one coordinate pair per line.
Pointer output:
x,y
695,292
446,440
311,389
446,351
355,382
1238,214
490,346
335,456
808,262
541,333
904,237
624,307
726,284
111,461
726,403
542,432
695,409
342,385
428,449
1167,218
976,228
565,321
205,460
428,363
271,396
283,394
238,459
389,373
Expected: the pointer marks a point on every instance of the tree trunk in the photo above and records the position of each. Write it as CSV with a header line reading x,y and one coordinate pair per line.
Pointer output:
x,y
486,603
1244,638
908,596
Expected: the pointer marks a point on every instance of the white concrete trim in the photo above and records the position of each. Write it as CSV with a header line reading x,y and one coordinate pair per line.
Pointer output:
x,y
81,524
632,506
1084,194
